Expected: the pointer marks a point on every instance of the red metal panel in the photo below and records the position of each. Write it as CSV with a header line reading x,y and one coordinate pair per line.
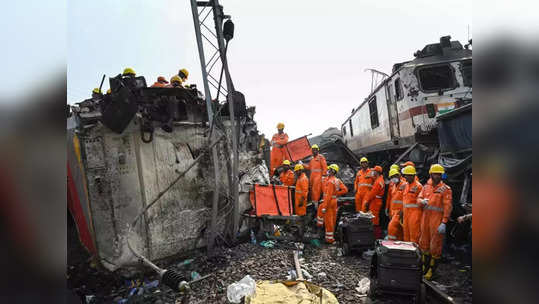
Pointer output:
x,y
74,206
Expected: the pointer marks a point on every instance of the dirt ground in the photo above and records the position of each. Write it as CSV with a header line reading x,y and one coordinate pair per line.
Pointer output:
x,y
338,274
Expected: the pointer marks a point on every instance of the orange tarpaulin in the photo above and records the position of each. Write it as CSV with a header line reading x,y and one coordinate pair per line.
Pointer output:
x,y
298,149
272,200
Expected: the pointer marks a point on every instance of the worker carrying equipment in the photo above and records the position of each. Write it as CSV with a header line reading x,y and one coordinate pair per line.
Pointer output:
x,y
436,200
412,211
302,190
318,167
278,149
372,202
129,72
160,83
334,188
363,183
287,176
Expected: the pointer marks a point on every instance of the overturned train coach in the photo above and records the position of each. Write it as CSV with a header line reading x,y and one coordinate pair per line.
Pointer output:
x,y
422,113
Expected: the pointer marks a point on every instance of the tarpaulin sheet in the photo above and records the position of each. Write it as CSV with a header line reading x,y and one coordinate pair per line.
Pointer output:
x,y
277,292
272,200
298,149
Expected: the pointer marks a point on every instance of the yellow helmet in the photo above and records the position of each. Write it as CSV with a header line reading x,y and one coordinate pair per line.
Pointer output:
x,y
184,72
109,91
364,159
315,146
408,170
129,71
393,172
280,125
334,167
96,90
437,168
286,162
298,167
175,78
394,166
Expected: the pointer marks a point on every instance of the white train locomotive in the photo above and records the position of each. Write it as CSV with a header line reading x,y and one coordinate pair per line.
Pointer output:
x,y
404,108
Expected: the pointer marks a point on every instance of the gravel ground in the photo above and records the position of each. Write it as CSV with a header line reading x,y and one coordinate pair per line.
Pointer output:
x,y
338,274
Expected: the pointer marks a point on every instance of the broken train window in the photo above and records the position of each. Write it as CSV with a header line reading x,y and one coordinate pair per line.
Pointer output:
x,y
398,89
373,110
436,78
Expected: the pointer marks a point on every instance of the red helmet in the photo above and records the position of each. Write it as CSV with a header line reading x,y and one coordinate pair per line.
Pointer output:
x,y
378,169
161,79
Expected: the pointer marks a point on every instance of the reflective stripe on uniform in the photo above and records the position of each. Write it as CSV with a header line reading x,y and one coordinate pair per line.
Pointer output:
x,y
365,185
316,170
378,196
433,208
329,233
299,191
396,202
391,237
333,196
411,206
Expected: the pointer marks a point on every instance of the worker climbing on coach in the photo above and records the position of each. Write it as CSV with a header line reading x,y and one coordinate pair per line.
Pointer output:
x,y
436,200
183,74
412,211
334,188
302,190
160,83
394,205
287,177
372,201
363,183
318,167
278,149
128,72
175,82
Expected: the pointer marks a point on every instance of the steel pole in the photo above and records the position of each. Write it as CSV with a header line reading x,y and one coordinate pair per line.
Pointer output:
x,y
215,203
218,17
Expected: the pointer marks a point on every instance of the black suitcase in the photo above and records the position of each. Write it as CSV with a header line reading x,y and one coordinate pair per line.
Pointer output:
x,y
356,232
396,269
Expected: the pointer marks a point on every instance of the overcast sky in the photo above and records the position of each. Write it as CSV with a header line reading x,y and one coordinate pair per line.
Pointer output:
x,y
299,62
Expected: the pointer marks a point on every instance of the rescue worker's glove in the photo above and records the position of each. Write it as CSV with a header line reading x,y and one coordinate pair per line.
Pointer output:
x,y
301,203
387,213
425,201
441,228
324,210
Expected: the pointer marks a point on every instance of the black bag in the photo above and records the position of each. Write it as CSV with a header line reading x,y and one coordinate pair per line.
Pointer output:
x,y
356,232
396,268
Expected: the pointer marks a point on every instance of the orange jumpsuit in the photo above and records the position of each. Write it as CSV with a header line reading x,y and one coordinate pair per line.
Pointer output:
x,y
335,187
373,199
318,167
278,151
362,185
437,211
412,212
287,177
302,190
157,84
394,228
319,214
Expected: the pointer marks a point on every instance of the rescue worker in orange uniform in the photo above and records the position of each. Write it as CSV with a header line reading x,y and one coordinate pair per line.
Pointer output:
x,y
412,211
287,177
318,167
160,83
302,190
390,188
363,183
278,150
394,228
319,214
409,163
334,188
436,200
372,202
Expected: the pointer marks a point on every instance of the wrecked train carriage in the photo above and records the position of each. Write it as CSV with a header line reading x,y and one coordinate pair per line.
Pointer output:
x,y
401,111
113,174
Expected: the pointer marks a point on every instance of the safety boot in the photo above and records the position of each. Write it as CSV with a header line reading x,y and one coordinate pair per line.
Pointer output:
x,y
426,258
432,268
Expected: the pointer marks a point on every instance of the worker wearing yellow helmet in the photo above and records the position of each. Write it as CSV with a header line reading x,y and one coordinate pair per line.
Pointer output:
x,y
175,82
287,175
363,182
436,200
302,190
109,91
412,211
183,74
129,72
96,93
318,167
278,149
334,188
394,205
